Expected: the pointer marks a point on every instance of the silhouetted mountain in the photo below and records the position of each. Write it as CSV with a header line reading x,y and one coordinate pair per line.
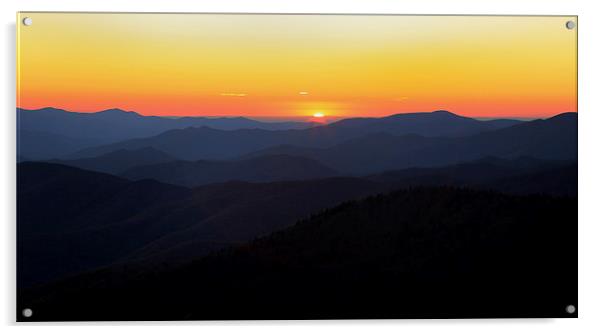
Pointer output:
x,y
119,161
469,173
243,211
417,253
439,123
39,145
93,129
519,176
117,124
501,123
215,144
74,220
473,251
260,169
553,139
523,175
67,217
561,180
199,143
364,155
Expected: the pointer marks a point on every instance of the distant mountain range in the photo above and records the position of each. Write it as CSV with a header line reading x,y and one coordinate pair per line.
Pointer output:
x,y
268,168
209,143
551,139
119,161
438,123
42,131
150,163
233,216
40,145
554,139
386,256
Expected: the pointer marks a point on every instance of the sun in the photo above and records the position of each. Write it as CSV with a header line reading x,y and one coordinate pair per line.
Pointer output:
x,y
319,115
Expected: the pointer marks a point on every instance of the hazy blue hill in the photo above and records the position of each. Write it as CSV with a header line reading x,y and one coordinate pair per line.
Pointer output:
x,y
102,127
117,162
261,169
422,252
40,145
552,139
438,123
216,144
197,143
368,154
65,132
501,123
116,124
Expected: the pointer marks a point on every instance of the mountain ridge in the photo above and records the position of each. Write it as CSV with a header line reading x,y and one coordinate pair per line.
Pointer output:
x,y
231,144
269,168
552,139
117,162
388,248
149,222
113,125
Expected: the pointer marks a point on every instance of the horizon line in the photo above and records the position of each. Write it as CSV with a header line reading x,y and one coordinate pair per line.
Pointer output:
x,y
291,117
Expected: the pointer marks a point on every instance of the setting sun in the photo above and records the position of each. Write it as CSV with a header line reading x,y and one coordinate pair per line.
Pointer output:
x,y
319,115
284,65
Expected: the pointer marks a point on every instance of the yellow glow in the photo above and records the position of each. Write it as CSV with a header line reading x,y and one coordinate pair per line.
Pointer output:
x,y
354,65
319,115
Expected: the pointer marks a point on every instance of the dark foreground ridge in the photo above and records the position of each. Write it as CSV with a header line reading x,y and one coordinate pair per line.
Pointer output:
x,y
417,253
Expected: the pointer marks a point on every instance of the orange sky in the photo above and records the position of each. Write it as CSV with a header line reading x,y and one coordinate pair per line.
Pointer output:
x,y
297,65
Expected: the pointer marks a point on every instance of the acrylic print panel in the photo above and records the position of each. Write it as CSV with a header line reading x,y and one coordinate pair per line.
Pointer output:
x,y
239,166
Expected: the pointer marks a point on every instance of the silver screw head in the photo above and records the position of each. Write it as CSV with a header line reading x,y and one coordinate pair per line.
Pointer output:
x,y
570,25
27,312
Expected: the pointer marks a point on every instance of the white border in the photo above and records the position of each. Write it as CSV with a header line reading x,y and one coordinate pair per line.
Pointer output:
x,y
590,121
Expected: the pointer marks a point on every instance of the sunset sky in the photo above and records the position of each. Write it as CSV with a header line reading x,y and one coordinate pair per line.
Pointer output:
x,y
297,65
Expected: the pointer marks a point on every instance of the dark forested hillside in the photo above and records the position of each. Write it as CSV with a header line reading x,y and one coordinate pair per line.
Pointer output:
x,y
421,252
72,220
517,176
